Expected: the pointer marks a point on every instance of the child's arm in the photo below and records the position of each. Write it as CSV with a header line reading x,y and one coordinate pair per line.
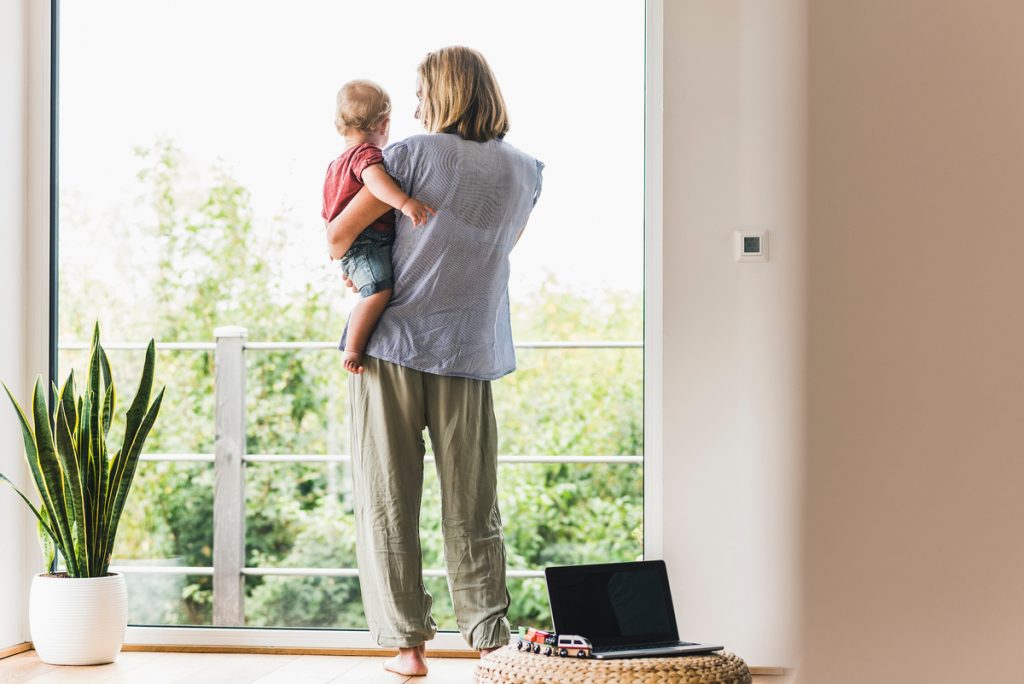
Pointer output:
x,y
386,190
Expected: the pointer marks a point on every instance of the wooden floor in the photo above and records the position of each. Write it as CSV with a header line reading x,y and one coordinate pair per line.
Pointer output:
x,y
238,668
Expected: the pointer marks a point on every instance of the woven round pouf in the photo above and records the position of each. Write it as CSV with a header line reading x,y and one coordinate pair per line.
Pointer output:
x,y
511,666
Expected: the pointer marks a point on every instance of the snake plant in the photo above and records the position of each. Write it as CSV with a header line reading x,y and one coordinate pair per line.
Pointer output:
x,y
82,488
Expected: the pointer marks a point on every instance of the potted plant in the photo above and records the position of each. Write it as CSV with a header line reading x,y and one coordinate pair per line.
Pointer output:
x,y
79,616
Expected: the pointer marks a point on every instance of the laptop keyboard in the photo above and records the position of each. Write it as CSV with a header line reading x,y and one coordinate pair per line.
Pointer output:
x,y
634,647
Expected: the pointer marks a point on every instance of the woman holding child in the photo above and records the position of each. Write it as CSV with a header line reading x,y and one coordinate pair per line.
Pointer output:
x,y
443,335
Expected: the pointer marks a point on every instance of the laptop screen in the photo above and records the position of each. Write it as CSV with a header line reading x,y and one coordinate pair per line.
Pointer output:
x,y
613,604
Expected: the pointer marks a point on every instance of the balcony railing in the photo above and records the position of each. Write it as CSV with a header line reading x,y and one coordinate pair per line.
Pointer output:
x,y
229,458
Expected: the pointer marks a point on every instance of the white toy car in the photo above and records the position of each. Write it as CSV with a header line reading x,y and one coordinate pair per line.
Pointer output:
x,y
573,645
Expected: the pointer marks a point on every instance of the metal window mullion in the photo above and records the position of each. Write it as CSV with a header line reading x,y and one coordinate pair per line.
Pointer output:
x,y
284,572
343,458
330,346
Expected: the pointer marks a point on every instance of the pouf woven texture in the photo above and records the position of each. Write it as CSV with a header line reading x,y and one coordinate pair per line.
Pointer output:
x,y
511,666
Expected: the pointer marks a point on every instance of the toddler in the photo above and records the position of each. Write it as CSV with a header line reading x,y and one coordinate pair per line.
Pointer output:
x,y
363,118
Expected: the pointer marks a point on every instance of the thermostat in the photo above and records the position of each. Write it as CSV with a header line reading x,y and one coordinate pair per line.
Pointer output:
x,y
751,245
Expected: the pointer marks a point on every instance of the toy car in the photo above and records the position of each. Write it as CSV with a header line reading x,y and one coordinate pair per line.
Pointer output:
x,y
549,643
573,645
537,640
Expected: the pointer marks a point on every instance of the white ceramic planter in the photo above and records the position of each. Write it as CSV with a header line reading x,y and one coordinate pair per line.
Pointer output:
x,y
78,621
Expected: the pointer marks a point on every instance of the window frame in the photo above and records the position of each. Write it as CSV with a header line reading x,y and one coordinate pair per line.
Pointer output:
x,y
43,291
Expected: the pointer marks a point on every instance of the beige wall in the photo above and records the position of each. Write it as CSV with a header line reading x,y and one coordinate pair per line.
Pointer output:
x,y
733,359
914,517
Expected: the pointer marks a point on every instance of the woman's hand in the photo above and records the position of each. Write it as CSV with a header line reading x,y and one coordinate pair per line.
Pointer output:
x,y
348,283
363,210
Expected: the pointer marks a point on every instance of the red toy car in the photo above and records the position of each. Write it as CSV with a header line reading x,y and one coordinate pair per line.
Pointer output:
x,y
549,643
537,640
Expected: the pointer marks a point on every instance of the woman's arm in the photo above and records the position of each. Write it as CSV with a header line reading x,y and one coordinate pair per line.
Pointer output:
x,y
363,210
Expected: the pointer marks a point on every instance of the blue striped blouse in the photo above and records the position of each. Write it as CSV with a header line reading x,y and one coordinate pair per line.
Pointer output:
x,y
449,311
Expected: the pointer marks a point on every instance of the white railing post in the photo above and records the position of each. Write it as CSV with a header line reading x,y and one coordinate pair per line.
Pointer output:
x,y
229,477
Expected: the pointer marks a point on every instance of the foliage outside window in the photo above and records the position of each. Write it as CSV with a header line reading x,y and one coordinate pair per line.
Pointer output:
x,y
188,246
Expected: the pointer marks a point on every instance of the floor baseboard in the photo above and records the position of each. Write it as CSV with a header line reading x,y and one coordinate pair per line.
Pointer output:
x,y
757,671
271,650
16,649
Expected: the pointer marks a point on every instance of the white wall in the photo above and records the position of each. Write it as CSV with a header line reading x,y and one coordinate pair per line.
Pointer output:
x,y
733,352
24,274
13,127
915,514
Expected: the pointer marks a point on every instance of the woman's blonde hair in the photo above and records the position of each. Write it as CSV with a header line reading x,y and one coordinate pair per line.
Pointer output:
x,y
459,94
362,105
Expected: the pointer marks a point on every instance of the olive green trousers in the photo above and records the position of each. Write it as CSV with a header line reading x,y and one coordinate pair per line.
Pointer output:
x,y
390,407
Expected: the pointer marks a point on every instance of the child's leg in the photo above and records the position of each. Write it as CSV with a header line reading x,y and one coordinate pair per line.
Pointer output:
x,y
360,325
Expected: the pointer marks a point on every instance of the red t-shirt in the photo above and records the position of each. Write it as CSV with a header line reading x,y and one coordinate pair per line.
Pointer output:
x,y
345,179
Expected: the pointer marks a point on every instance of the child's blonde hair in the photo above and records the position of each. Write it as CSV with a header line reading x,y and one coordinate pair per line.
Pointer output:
x,y
459,94
362,105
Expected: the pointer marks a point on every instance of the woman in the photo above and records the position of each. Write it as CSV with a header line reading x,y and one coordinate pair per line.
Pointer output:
x,y
444,336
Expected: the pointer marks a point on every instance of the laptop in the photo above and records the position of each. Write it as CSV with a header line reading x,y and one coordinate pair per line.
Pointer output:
x,y
624,609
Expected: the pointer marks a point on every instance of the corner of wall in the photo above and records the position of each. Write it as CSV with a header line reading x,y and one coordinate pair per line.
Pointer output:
x,y
735,157
14,116
36,288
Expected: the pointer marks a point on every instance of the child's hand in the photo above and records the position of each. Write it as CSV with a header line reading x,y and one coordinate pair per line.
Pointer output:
x,y
417,211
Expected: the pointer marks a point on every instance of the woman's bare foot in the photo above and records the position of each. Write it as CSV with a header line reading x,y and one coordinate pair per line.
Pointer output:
x,y
408,662
352,361
486,651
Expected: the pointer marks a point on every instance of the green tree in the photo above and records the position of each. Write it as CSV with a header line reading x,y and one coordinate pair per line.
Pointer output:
x,y
216,265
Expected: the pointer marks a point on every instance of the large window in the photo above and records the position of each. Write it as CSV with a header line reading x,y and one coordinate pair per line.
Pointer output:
x,y
193,140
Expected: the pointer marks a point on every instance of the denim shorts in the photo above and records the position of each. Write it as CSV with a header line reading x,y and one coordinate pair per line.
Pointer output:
x,y
368,262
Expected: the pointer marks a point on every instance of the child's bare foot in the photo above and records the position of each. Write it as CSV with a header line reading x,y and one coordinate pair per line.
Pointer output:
x,y
409,662
352,361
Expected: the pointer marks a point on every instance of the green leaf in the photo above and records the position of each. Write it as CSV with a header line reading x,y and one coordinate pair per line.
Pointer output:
x,y
74,487
32,458
141,401
84,412
53,480
46,541
83,448
110,403
102,479
123,484
42,517
94,395
67,398
65,424
68,432
133,421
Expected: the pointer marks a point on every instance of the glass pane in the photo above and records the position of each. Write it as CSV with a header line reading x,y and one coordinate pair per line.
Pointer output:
x,y
327,602
304,602
296,402
190,190
299,515
168,599
185,423
168,521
